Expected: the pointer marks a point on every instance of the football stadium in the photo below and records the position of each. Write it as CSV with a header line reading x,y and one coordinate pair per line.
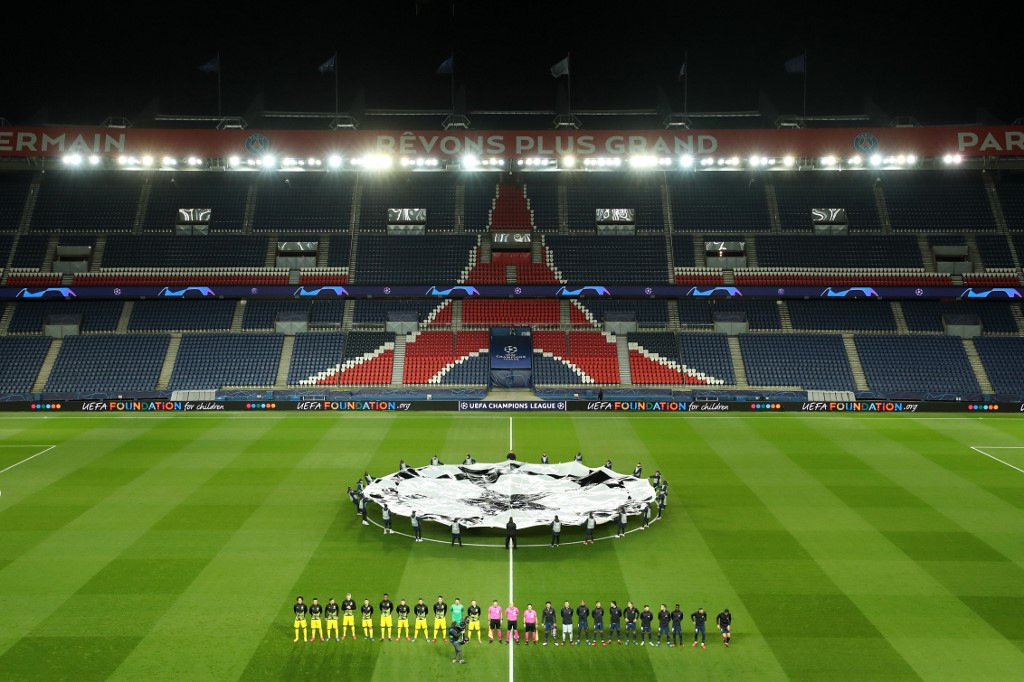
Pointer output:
x,y
615,394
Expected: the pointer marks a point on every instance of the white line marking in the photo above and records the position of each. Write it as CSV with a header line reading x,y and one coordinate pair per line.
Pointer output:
x,y
41,452
510,551
510,600
977,449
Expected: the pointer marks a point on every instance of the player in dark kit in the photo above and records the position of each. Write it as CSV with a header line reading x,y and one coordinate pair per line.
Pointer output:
x,y
677,626
598,615
724,622
566,624
615,622
631,613
646,617
700,619
547,616
664,617
582,626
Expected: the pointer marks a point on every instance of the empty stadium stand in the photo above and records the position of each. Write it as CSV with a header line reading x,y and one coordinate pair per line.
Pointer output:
x,y
901,224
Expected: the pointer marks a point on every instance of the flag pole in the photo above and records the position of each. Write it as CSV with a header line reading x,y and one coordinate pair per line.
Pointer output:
x,y
568,63
805,83
219,109
335,85
686,83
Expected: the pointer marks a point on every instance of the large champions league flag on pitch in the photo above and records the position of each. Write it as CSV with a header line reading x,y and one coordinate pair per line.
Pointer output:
x,y
511,351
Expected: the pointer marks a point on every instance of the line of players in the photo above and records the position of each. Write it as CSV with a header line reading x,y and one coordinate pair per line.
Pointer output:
x,y
638,622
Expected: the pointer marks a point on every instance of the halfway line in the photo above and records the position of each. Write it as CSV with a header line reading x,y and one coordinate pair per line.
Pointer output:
x,y
510,647
510,553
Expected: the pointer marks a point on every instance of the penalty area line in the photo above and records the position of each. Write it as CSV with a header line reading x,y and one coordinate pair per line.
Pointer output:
x,y
978,449
41,452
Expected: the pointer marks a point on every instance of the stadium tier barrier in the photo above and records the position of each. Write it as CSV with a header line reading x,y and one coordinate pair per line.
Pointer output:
x,y
659,407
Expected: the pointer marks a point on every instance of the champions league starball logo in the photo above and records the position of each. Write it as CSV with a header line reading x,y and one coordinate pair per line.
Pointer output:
x,y
511,354
484,495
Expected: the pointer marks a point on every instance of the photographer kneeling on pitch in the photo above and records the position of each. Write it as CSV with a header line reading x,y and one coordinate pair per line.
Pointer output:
x,y
456,635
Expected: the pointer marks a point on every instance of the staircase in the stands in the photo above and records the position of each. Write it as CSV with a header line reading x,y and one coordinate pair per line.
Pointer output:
x,y
511,209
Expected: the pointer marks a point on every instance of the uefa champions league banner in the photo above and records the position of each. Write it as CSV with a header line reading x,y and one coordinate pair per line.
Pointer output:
x,y
511,354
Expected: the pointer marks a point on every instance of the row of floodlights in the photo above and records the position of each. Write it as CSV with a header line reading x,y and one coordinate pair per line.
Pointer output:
x,y
385,161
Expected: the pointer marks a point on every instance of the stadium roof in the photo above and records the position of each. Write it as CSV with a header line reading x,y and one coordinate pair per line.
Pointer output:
x,y
746,68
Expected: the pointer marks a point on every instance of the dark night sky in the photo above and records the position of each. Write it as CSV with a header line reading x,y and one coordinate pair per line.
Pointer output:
x,y
96,60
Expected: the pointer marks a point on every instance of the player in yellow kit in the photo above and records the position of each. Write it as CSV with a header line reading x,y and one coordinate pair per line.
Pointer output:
x,y
419,609
403,620
332,619
348,616
317,627
474,620
367,611
300,618
441,618
386,607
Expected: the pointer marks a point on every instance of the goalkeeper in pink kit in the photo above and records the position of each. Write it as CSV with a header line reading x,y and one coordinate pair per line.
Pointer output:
x,y
512,624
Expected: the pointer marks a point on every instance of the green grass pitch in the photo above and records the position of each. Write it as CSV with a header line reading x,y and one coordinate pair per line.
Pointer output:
x,y
848,547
